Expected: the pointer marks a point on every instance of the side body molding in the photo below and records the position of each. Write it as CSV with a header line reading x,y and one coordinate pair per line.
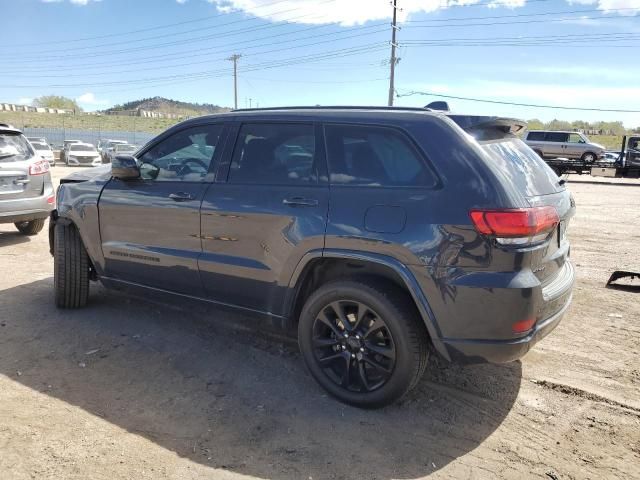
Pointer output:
x,y
389,262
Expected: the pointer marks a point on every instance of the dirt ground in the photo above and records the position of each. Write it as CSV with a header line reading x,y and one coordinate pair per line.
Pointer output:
x,y
130,388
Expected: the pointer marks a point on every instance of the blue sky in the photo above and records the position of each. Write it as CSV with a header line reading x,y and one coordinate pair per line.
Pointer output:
x,y
579,53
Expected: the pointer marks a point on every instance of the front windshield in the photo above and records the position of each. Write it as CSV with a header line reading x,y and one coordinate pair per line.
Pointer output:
x,y
82,148
14,148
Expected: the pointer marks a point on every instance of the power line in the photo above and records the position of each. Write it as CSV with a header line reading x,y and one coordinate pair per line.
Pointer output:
x,y
184,41
499,102
132,32
356,49
223,51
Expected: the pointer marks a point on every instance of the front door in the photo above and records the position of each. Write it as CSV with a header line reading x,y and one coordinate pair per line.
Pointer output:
x,y
272,210
150,227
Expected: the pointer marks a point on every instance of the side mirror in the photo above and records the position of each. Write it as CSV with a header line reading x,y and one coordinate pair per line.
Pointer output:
x,y
125,167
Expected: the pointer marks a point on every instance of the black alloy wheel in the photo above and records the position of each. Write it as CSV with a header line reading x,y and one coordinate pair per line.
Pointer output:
x,y
353,345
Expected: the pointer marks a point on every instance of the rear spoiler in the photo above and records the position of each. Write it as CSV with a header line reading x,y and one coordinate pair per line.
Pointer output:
x,y
475,123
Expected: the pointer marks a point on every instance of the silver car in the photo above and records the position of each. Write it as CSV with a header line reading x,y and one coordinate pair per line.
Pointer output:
x,y
26,191
572,145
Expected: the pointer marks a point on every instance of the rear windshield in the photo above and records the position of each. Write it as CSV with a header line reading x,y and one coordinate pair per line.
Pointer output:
x,y
14,148
125,148
523,167
40,146
82,148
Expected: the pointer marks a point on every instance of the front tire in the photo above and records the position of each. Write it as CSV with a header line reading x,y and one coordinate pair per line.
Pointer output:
x,y
363,342
588,157
30,228
70,268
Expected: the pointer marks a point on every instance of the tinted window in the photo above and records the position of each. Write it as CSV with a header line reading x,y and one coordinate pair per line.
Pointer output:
x,y
40,146
556,137
374,156
184,156
535,136
522,167
274,153
81,148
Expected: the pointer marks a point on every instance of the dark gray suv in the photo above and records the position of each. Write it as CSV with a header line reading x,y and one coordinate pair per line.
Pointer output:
x,y
381,235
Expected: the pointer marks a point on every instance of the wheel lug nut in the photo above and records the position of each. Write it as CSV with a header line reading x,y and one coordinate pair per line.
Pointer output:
x,y
353,355
344,347
358,337
361,349
346,335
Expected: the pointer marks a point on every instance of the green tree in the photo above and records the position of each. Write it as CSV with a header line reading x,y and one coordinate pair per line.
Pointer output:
x,y
535,124
56,101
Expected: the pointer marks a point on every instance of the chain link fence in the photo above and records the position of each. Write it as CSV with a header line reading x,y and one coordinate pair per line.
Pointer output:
x,y
87,128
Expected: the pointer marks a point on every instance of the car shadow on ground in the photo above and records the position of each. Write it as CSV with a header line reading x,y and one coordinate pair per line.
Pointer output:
x,y
230,399
8,238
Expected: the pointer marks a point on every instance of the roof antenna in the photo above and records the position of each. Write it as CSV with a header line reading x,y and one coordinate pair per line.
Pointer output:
x,y
438,105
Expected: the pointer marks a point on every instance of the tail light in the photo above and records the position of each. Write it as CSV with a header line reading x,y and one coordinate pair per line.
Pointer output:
x,y
520,226
39,168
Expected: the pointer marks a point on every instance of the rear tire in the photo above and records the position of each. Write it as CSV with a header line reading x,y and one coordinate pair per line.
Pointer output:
x,y
370,363
70,268
30,228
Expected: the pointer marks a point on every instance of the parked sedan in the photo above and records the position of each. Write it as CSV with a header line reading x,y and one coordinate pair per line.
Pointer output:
x,y
26,190
65,149
82,154
37,139
45,152
119,149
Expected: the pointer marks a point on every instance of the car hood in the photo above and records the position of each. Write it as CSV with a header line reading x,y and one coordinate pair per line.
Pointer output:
x,y
597,145
102,172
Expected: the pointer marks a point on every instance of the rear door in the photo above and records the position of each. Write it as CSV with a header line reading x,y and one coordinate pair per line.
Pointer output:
x,y
258,225
150,227
380,187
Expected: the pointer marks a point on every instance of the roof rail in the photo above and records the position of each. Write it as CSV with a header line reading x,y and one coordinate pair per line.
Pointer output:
x,y
333,107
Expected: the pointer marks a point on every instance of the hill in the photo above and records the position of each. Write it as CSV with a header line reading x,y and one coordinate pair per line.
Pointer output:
x,y
165,105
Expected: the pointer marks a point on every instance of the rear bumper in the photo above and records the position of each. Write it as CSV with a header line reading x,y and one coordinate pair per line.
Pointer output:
x,y
14,217
502,351
26,209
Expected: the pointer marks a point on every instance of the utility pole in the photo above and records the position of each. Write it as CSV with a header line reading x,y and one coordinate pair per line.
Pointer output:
x,y
234,58
393,60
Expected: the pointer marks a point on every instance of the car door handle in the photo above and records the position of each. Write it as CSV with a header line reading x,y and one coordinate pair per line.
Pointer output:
x,y
300,202
181,196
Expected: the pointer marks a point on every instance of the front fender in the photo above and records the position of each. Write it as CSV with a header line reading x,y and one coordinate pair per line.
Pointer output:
x,y
78,204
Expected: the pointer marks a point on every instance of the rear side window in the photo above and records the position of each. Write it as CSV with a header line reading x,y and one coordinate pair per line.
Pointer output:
x,y
535,136
275,153
14,148
374,156
556,137
522,167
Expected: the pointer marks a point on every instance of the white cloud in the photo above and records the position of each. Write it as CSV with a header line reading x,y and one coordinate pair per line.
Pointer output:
x,y
181,1
618,7
345,12
89,99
